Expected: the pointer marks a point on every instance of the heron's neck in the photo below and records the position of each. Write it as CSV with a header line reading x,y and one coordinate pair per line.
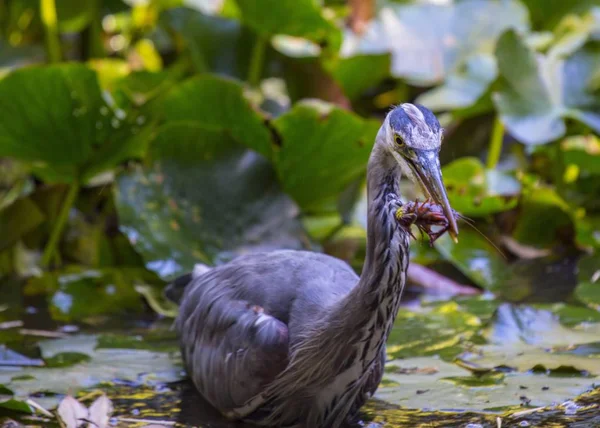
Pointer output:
x,y
373,303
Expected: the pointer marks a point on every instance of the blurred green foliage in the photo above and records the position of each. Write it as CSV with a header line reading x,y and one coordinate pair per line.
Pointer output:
x,y
201,129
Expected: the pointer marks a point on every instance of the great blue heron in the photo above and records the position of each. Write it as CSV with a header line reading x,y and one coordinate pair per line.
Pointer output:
x,y
296,338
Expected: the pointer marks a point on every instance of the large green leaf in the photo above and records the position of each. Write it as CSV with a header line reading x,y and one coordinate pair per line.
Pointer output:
x,y
537,93
215,44
321,154
203,198
56,118
218,104
299,18
475,191
71,290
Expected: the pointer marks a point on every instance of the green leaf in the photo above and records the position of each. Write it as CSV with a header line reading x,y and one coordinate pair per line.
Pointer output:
x,y
358,73
537,93
71,290
475,191
588,289
19,218
203,198
218,104
136,366
420,334
215,44
56,118
299,18
526,339
542,205
74,15
321,154
432,384
583,152
475,257
546,14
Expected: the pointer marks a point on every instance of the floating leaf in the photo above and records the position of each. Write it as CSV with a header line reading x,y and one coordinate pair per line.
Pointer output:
x,y
321,154
203,198
135,366
431,384
442,331
524,339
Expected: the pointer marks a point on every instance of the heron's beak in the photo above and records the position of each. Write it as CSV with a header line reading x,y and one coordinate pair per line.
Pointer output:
x,y
428,171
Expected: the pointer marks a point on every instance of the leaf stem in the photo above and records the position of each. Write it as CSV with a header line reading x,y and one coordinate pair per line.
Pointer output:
x,y
95,47
495,143
256,62
59,225
50,21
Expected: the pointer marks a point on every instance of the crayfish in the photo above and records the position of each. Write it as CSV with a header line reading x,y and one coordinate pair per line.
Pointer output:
x,y
424,215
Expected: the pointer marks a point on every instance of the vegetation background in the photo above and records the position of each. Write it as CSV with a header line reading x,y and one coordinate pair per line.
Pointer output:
x,y
138,137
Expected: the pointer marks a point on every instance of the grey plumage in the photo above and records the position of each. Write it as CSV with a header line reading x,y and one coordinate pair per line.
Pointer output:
x,y
294,338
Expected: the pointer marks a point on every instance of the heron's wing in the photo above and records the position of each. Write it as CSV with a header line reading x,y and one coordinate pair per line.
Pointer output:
x,y
231,347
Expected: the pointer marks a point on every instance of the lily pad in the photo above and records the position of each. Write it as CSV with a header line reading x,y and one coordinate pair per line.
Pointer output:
x,y
203,198
321,154
524,339
136,366
431,384
443,331
475,191
56,118
537,93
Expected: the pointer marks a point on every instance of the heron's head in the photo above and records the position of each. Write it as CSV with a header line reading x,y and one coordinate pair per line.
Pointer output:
x,y
413,136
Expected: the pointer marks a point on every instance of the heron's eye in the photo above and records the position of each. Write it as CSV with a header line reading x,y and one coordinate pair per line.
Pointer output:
x,y
399,141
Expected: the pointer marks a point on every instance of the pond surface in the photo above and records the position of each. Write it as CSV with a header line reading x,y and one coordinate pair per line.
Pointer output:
x,y
467,362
